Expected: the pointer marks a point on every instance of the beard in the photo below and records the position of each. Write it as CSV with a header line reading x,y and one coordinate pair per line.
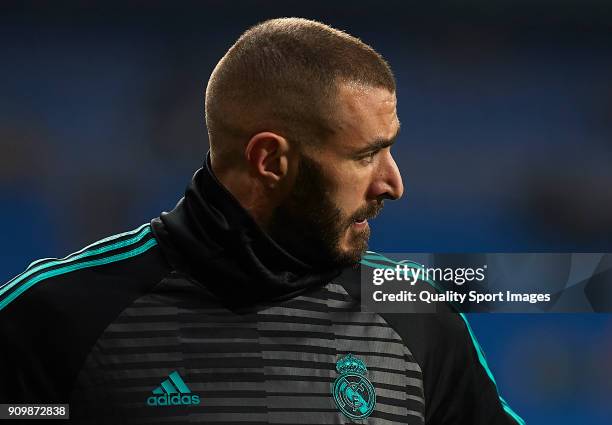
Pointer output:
x,y
310,226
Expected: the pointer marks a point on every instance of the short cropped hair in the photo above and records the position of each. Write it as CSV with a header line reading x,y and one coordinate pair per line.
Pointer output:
x,y
282,75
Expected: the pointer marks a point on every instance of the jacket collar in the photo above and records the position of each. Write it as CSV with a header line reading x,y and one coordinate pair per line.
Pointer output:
x,y
213,238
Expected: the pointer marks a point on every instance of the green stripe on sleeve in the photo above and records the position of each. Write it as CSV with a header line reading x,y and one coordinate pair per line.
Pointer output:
x,y
96,243
71,267
483,362
83,254
101,241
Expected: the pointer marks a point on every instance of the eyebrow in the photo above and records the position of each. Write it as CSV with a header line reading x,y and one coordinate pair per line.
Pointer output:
x,y
378,144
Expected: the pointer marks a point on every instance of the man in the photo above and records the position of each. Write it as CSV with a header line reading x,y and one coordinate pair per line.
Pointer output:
x,y
239,306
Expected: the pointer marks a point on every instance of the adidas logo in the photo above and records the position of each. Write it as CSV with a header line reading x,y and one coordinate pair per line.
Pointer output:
x,y
173,392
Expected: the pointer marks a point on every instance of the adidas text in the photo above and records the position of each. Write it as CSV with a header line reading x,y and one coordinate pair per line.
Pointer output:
x,y
173,400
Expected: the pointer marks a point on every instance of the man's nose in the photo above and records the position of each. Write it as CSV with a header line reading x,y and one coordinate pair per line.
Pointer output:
x,y
388,181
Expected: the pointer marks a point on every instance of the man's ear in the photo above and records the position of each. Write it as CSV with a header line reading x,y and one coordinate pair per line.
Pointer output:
x,y
268,156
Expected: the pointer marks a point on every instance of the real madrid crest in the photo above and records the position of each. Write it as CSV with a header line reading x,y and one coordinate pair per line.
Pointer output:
x,y
353,393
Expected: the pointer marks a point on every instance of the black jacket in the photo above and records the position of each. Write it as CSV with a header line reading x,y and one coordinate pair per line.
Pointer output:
x,y
199,316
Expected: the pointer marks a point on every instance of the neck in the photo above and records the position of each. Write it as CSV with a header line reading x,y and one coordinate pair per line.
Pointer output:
x,y
250,193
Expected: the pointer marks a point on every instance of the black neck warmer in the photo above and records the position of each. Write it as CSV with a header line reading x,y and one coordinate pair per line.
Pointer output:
x,y
213,238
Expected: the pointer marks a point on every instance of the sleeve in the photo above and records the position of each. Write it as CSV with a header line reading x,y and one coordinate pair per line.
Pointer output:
x,y
52,315
459,387
28,356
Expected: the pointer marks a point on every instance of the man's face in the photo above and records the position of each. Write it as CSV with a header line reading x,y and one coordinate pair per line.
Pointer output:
x,y
342,184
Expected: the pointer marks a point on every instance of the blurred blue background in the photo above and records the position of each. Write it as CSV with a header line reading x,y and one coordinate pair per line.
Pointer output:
x,y
506,144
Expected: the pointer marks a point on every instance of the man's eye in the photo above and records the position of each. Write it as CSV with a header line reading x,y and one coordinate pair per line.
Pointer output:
x,y
369,157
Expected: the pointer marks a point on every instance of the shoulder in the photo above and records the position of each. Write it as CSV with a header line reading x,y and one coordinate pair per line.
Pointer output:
x,y
53,312
127,258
